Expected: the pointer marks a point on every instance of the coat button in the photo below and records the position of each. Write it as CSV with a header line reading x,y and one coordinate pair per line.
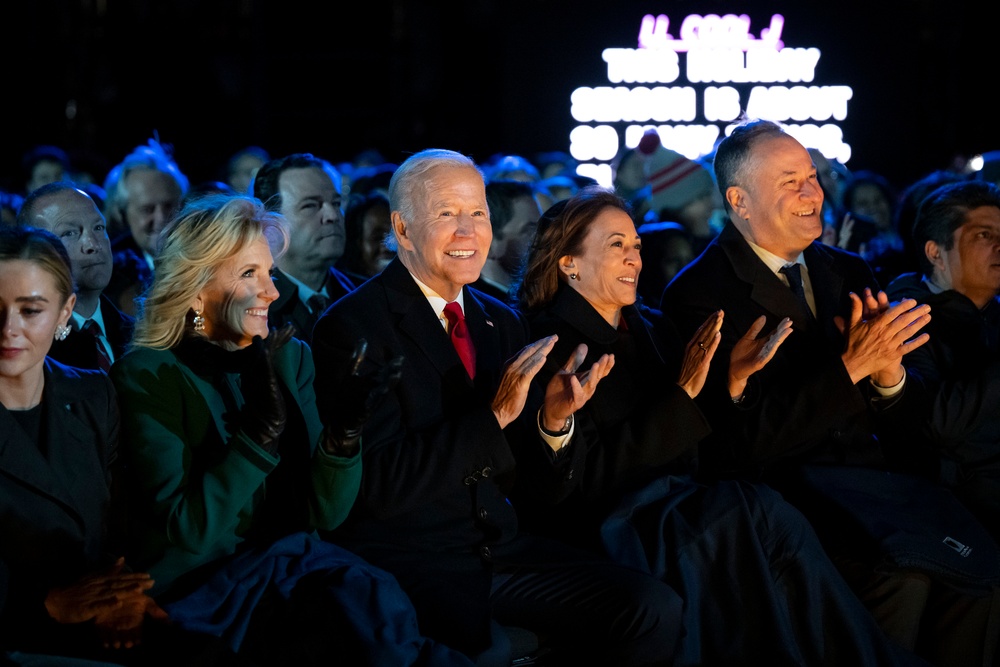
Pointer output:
x,y
470,480
486,553
483,514
487,471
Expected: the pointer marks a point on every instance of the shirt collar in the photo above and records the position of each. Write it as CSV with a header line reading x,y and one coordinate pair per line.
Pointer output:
x,y
305,292
772,261
79,320
437,301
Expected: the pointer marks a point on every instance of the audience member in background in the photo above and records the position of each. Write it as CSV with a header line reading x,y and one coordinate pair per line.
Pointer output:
x,y
514,210
629,181
99,332
144,191
367,224
369,179
432,507
558,188
868,195
506,166
368,157
807,423
242,166
10,204
957,439
681,190
831,178
624,483
65,589
909,259
306,190
230,473
667,249
44,164
554,163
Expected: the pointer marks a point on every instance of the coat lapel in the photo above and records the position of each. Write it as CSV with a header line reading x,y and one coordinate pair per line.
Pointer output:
x,y
827,285
22,459
417,320
766,289
486,339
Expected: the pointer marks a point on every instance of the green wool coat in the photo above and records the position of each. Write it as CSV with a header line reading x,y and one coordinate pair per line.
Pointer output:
x,y
199,488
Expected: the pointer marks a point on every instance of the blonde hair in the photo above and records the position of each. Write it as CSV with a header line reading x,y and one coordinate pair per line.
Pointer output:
x,y
207,232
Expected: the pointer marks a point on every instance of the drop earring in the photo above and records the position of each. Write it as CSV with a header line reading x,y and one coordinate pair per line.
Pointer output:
x,y
198,321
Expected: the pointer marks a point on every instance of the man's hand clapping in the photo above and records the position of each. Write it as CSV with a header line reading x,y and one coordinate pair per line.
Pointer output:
x,y
879,334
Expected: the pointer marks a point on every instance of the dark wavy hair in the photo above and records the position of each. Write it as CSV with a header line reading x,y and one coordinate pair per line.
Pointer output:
x,y
560,231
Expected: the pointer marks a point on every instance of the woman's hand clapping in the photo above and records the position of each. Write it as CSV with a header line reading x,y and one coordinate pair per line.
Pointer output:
x,y
750,354
698,355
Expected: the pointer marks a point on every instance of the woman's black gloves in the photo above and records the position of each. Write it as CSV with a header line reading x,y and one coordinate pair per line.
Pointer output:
x,y
264,410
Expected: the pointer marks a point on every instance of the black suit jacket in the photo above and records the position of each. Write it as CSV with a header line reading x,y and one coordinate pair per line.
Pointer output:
x,y
288,308
637,426
54,506
802,407
432,507
79,350
806,429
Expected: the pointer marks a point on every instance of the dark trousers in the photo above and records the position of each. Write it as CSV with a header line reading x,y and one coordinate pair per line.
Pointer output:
x,y
592,612
942,624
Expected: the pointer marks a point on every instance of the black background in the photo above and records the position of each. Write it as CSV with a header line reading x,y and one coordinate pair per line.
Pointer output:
x,y
481,77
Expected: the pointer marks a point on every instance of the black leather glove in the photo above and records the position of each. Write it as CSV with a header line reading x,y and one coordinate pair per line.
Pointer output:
x,y
264,414
357,397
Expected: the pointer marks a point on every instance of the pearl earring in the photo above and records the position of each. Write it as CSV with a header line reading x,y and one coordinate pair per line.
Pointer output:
x,y
572,276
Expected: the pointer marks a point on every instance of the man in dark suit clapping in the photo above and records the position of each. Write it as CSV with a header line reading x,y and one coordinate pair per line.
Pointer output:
x,y
807,423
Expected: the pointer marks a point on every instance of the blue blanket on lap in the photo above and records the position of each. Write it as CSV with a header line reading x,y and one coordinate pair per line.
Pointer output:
x,y
378,611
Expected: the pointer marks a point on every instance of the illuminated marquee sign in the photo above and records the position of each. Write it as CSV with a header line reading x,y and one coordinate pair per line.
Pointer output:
x,y
678,86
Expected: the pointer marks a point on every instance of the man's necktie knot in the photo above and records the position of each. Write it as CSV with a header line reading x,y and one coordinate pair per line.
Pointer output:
x,y
318,303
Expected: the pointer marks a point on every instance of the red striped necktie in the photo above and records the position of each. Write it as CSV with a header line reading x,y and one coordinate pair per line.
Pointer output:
x,y
103,360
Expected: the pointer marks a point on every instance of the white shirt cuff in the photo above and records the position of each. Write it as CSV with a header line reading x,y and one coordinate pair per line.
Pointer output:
x,y
888,392
556,442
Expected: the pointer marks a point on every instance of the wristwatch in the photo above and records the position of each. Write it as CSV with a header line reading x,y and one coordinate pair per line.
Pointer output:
x,y
555,434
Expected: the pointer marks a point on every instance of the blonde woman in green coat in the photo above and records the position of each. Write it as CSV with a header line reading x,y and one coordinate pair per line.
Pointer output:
x,y
230,474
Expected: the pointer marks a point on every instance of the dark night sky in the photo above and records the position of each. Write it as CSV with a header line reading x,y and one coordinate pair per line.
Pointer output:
x,y
481,76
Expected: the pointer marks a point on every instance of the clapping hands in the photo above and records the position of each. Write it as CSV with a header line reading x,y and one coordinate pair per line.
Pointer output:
x,y
750,354
698,355
568,391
